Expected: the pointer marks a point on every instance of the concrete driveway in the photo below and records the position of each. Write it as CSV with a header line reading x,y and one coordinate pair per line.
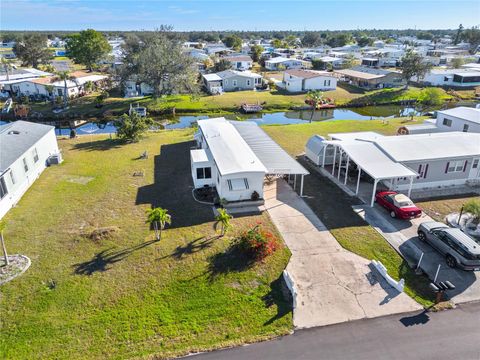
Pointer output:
x,y
402,235
333,284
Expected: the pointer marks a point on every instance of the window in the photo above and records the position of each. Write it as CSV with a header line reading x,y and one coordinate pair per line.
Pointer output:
x,y
475,163
455,166
447,122
234,82
3,188
35,155
465,127
204,173
248,82
25,165
326,82
238,184
12,177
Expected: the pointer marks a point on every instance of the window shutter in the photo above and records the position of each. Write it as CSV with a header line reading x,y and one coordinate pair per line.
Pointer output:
x,y
465,166
446,167
425,173
419,171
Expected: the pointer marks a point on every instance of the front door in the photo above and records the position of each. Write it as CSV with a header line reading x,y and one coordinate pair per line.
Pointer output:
x,y
475,169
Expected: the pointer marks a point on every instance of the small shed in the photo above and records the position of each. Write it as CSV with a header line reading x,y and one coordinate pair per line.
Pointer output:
x,y
314,149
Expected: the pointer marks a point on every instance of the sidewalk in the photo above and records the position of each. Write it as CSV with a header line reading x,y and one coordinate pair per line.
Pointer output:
x,y
333,284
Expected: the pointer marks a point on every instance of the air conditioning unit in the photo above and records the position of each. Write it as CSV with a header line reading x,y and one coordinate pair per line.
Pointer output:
x,y
55,159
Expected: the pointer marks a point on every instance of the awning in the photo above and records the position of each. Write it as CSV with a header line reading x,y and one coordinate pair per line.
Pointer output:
x,y
273,157
373,160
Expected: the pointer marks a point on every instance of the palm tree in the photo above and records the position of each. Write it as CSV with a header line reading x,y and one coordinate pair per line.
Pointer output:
x,y
7,66
223,218
314,98
5,256
50,89
158,216
65,76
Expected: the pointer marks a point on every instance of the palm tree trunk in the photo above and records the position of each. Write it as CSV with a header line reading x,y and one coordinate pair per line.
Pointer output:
x,y
65,94
155,227
5,255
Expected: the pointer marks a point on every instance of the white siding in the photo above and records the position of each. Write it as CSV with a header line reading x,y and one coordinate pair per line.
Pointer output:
x,y
46,146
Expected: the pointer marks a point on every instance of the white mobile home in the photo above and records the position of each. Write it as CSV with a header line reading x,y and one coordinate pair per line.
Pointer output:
x,y
305,80
401,163
278,63
462,118
234,157
25,148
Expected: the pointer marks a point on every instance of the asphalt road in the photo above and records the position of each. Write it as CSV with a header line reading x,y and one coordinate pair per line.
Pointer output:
x,y
452,334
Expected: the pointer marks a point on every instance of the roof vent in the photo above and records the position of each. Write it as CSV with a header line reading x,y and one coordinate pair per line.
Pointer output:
x,y
14,132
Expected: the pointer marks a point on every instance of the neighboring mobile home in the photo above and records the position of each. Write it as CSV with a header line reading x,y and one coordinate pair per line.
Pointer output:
x,y
235,156
25,149
75,86
231,80
370,78
305,80
402,163
461,118
240,62
279,63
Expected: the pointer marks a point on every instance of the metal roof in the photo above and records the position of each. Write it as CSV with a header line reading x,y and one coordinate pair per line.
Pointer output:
x,y
273,157
462,112
16,138
373,160
229,150
442,145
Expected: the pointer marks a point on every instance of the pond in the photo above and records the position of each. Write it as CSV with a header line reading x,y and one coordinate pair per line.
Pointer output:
x,y
283,118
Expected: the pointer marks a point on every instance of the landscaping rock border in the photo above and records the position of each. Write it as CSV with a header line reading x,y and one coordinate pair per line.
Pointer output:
x,y
18,265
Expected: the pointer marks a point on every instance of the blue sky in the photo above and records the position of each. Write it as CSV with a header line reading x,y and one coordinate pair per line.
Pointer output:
x,y
236,15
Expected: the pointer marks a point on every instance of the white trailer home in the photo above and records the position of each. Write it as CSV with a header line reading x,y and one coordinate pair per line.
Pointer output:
x,y
235,156
465,119
402,163
25,149
305,80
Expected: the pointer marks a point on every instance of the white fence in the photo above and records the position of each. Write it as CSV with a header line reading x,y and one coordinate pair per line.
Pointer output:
x,y
291,287
399,285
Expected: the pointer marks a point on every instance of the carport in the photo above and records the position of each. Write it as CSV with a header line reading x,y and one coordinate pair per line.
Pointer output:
x,y
369,159
273,157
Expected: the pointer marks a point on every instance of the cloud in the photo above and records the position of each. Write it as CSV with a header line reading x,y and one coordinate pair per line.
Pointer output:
x,y
180,10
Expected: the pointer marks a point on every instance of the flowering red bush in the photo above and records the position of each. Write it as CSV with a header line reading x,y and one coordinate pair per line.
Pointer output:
x,y
258,243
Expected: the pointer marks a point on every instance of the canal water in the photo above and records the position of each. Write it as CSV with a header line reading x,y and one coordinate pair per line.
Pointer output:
x,y
282,118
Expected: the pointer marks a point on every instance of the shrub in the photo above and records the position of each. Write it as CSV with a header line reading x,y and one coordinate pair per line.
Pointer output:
x,y
257,243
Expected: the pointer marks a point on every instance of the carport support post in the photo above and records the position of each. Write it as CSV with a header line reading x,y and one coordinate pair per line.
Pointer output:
x,y
294,182
346,171
334,159
301,185
324,153
358,180
373,192
339,164
410,186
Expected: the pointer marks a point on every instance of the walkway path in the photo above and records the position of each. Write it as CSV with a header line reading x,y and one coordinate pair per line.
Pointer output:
x,y
333,284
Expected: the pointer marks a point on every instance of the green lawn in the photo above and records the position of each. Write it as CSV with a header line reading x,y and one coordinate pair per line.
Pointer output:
x,y
127,296
294,137
438,208
334,207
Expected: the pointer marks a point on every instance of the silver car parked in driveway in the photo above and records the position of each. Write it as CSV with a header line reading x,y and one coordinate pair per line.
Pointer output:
x,y
460,250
